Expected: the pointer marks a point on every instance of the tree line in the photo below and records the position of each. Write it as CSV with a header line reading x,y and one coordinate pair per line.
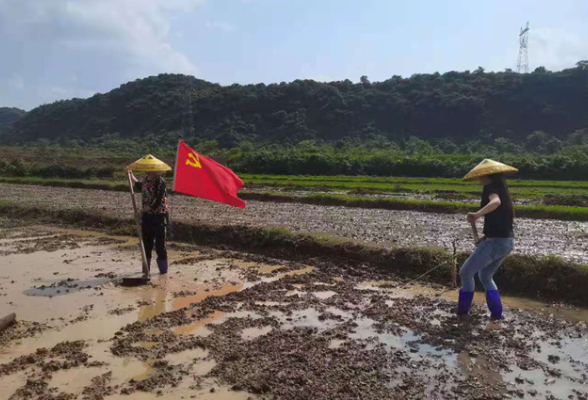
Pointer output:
x,y
504,108
540,156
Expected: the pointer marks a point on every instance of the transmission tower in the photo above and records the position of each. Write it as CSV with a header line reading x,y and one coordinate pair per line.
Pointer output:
x,y
523,61
187,129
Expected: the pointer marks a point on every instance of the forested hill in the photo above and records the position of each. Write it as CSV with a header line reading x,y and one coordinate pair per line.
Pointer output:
x,y
454,105
9,116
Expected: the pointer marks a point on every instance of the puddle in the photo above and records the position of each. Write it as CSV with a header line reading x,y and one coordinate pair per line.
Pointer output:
x,y
203,368
146,345
301,271
154,331
295,293
64,287
205,292
198,327
147,371
336,343
268,269
324,295
309,317
187,357
252,333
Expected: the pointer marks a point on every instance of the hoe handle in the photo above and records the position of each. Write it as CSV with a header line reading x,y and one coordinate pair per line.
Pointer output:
x,y
475,233
139,230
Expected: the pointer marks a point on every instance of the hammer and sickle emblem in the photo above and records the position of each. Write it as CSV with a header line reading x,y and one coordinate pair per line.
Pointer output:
x,y
195,162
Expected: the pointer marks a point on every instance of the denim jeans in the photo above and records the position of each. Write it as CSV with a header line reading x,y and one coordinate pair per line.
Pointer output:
x,y
485,261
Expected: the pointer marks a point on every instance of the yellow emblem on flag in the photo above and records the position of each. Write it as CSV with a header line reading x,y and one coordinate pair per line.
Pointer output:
x,y
195,162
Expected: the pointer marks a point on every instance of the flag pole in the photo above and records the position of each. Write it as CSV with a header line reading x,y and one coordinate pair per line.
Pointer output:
x,y
173,190
176,164
139,230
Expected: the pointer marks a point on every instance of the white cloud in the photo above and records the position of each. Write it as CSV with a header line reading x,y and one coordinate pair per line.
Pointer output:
x,y
222,26
111,40
556,49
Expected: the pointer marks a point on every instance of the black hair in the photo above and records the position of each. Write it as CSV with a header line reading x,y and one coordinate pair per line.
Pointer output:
x,y
499,182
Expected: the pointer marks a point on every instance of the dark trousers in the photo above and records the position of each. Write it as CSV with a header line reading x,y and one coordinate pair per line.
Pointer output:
x,y
154,231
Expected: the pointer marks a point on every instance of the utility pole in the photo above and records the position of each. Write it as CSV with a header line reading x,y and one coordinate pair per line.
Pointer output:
x,y
523,60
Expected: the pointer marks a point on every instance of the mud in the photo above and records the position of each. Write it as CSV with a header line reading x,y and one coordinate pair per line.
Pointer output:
x,y
567,239
227,325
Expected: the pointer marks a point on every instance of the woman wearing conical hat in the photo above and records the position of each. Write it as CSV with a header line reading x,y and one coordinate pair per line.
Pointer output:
x,y
154,212
498,241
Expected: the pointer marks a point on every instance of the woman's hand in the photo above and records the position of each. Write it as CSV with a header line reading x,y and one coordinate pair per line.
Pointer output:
x,y
491,206
133,178
472,217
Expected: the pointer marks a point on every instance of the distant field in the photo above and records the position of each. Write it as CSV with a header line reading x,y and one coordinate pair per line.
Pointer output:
x,y
569,201
524,189
519,188
405,180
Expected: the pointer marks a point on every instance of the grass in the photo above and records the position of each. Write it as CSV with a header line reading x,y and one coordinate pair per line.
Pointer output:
x,y
545,278
555,212
406,180
414,186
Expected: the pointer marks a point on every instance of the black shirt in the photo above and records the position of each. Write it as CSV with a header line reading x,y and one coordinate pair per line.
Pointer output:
x,y
497,224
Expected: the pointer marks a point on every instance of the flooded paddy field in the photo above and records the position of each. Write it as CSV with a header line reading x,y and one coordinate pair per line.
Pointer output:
x,y
229,325
568,239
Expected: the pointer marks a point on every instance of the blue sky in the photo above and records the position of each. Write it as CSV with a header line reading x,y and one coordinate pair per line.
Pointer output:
x,y
59,49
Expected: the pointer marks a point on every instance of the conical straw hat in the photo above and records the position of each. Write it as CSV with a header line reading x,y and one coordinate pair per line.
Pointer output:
x,y
488,167
149,164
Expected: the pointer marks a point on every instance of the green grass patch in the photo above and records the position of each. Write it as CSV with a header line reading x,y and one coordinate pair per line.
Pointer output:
x,y
409,180
430,187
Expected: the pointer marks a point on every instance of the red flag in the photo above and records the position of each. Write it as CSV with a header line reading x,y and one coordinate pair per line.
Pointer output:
x,y
202,177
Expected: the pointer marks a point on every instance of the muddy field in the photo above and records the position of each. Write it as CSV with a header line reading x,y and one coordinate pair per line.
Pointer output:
x,y
227,325
380,227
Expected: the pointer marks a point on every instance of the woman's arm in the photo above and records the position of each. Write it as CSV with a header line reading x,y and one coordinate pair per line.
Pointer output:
x,y
491,206
133,178
138,185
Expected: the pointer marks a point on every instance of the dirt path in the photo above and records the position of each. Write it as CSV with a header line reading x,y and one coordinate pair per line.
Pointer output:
x,y
381,227
225,325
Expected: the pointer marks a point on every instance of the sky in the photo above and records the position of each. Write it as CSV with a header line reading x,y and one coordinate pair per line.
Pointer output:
x,y
60,49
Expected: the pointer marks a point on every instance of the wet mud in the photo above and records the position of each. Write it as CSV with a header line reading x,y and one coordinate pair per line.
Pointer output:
x,y
228,325
568,239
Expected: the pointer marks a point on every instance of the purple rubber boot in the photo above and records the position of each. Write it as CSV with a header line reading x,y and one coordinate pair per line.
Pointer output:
x,y
494,304
162,265
465,302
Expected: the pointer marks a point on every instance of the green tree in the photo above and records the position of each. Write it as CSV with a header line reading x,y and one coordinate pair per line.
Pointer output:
x,y
542,142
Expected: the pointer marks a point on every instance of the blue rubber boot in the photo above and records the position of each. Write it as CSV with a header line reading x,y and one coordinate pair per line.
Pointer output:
x,y
494,304
162,265
465,302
